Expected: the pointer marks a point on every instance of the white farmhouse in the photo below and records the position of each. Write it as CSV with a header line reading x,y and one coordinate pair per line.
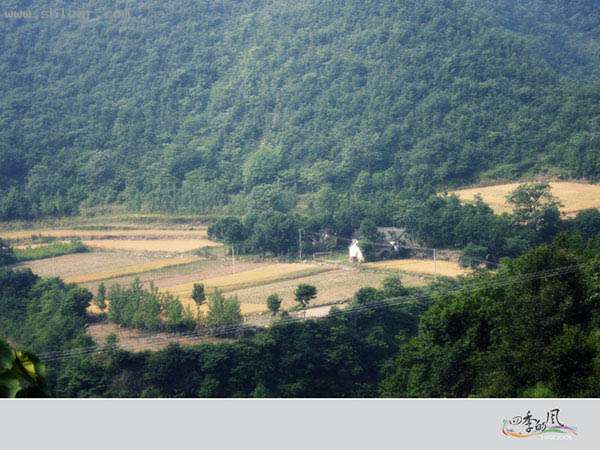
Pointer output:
x,y
392,242
355,253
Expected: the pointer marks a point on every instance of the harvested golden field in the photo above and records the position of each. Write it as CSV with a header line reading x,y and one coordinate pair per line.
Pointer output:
x,y
81,264
253,282
574,196
193,272
421,266
252,308
137,233
255,277
336,284
132,270
154,245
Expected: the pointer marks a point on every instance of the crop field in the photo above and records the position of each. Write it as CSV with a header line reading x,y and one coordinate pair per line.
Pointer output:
x,y
574,196
117,233
254,281
152,250
132,269
151,245
421,266
163,257
333,285
254,277
89,264
174,275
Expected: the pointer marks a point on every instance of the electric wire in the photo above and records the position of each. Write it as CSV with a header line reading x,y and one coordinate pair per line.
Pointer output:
x,y
228,330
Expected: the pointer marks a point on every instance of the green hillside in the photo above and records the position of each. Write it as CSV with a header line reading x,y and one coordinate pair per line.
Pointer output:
x,y
196,106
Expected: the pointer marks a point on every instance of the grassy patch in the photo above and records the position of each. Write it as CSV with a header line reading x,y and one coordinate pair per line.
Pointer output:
x,y
51,250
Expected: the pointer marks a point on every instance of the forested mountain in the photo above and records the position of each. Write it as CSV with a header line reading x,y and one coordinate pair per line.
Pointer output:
x,y
198,105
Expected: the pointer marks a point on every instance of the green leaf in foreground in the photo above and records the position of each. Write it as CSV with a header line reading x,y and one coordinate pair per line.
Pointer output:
x,y
21,374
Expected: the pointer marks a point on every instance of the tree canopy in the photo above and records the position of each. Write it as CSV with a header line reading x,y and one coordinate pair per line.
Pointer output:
x,y
198,106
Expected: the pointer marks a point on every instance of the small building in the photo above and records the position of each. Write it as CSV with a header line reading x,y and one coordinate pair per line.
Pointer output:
x,y
394,242
355,253
397,237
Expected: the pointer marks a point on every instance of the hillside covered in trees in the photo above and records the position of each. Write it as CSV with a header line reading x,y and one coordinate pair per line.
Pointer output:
x,y
204,106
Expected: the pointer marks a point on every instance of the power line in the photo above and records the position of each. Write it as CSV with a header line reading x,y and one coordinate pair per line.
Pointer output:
x,y
230,329
406,247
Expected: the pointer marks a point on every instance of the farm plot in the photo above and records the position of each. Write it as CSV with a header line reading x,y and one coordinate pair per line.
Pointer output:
x,y
421,266
175,275
117,233
179,280
134,269
82,264
151,245
333,285
574,196
261,276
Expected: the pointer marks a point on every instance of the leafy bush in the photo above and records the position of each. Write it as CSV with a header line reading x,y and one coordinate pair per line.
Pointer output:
x,y
198,294
100,299
368,249
392,287
177,318
274,303
223,310
7,255
586,222
366,295
137,307
473,256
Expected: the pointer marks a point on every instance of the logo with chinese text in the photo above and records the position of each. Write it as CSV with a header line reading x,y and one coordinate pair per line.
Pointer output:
x,y
548,427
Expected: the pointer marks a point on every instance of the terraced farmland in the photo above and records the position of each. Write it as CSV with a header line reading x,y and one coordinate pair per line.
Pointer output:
x,y
165,258
254,277
132,269
87,264
333,285
117,253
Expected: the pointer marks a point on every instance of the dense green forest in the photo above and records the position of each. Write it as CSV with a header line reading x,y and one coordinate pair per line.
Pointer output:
x,y
528,329
200,106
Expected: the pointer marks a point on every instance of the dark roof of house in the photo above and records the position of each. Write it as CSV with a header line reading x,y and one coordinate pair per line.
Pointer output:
x,y
393,233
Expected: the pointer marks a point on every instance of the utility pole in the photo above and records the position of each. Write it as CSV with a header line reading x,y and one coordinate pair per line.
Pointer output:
x,y
233,258
300,244
435,264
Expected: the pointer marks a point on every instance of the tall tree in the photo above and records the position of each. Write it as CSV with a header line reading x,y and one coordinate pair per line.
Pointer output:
x,y
7,255
532,204
274,303
198,294
304,293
